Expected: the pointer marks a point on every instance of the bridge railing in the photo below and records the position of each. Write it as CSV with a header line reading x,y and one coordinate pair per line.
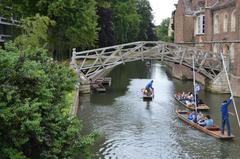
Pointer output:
x,y
92,62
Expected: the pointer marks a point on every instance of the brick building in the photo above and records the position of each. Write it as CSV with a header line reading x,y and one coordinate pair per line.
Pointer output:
x,y
215,24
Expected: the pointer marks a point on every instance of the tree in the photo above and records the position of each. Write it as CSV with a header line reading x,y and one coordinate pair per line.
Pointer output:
x,y
34,32
162,31
33,87
75,20
125,21
105,24
146,26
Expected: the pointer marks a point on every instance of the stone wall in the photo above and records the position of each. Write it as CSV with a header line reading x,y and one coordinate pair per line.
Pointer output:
x,y
184,73
219,84
75,104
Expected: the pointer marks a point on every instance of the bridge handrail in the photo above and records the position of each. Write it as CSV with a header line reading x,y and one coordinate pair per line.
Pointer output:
x,y
100,59
147,42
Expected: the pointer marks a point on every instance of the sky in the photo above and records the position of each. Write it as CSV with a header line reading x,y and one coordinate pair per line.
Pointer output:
x,y
162,9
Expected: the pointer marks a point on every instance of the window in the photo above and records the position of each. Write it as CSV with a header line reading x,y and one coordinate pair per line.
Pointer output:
x,y
200,24
233,21
216,24
225,23
232,49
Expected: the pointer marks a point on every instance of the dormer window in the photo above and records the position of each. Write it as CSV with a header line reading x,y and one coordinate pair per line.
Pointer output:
x,y
200,24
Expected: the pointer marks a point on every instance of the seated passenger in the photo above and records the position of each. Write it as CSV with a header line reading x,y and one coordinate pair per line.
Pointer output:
x,y
183,96
208,122
189,99
192,116
200,117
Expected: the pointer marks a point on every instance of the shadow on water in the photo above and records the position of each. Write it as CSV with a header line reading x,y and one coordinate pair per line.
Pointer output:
x,y
131,128
120,83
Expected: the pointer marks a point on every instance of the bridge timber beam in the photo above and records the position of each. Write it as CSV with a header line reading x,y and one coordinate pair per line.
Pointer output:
x,y
88,64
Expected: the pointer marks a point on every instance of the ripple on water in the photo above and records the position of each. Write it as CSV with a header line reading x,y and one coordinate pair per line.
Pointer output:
x,y
134,129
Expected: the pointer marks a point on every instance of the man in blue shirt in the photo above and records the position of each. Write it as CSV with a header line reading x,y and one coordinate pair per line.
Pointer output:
x,y
149,87
224,110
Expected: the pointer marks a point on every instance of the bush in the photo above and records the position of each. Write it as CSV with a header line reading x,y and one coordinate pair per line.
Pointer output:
x,y
33,92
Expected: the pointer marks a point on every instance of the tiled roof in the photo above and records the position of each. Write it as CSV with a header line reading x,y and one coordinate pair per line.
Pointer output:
x,y
223,4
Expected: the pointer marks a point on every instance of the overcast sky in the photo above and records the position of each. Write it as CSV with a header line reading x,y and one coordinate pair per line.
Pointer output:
x,y
162,9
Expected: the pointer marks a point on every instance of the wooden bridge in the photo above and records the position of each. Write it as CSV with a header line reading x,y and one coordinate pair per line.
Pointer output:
x,y
90,64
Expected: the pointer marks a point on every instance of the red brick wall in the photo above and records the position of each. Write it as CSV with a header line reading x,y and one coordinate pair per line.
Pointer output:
x,y
188,32
179,19
185,25
224,35
208,28
183,33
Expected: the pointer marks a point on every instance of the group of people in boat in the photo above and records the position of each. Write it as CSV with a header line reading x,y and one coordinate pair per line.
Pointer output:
x,y
188,98
207,121
199,118
195,116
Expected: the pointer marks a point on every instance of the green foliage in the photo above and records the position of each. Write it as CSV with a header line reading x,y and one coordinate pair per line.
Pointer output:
x,y
105,23
103,4
34,104
69,101
34,32
77,25
146,27
162,31
76,20
32,92
125,21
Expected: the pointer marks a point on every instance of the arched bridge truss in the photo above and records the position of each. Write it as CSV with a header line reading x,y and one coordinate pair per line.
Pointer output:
x,y
91,63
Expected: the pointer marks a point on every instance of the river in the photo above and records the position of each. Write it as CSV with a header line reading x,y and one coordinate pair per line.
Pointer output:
x,y
131,128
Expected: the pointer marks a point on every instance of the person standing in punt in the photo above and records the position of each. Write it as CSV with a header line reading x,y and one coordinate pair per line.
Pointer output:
x,y
225,120
149,88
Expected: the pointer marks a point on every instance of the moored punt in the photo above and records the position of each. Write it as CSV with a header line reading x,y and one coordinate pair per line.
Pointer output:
x,y
213,131
104,81
192,106
98,87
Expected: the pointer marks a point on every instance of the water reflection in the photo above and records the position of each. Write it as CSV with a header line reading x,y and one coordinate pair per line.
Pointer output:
x,y
132,128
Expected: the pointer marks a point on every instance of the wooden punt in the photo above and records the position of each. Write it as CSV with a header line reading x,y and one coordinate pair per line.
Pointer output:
x,y
213,131
98,87
104,81
192,106
147,96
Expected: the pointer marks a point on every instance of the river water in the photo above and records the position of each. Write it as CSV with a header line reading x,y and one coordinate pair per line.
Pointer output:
x,y
131,128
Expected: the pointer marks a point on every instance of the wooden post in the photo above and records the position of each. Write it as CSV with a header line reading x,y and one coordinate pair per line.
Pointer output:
x,y
73,63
